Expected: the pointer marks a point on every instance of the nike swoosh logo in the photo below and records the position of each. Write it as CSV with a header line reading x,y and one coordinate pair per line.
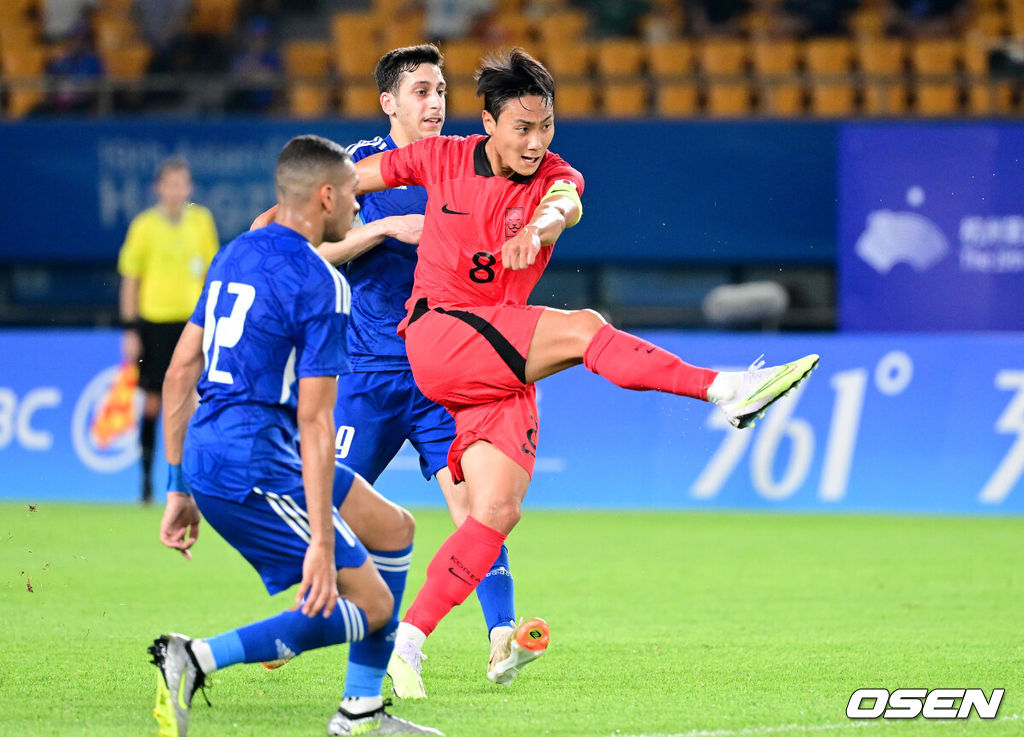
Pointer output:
x,y
444,209
181,692
452,571
772,381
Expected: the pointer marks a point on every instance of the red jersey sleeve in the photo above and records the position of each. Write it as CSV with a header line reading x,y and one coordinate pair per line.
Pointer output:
x,y
562,172
419,162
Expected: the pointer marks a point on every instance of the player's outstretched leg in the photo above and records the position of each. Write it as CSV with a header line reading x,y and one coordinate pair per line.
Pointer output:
x,y
353,718
512,649
745,395
179,679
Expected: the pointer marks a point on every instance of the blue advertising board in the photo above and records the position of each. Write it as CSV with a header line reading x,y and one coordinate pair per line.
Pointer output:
x,y
891,423
931,226
668,192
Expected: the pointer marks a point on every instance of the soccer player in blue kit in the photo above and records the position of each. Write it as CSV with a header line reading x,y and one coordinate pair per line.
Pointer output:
x,y
264,347
379,405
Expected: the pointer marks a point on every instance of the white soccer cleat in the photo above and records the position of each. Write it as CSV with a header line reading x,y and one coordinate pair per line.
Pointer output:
x,y
512,649
179,679
404,668
375,722
757,388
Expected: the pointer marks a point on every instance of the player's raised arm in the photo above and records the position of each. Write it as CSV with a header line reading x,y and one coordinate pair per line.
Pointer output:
x,y
179,528
315,416
370,177
560,209
359,240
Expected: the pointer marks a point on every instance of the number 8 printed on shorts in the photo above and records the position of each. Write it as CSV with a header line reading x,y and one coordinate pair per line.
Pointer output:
x,y
224,332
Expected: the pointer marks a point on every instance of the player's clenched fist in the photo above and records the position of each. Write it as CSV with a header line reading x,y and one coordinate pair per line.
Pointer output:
x,y
521,250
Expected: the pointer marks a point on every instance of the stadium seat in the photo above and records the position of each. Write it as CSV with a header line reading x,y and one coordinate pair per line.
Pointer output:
x,y
563,26
15,11
619,57
308,99
881,63
670,59
461,58
354,46
728,98
25,66
1015,13
360,100
987,23
18,35
128,64
722,56
934,63
462,101
985,96
575,99
306,59
779,89
511,29
830,82
114,32
624,99
216,17
868,21
354,28
676,99
567,60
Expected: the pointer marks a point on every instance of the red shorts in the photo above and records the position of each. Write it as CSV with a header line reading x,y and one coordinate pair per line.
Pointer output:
x,y
473,362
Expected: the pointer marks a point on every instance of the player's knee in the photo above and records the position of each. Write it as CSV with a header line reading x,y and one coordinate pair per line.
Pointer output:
x,y
378,609
504,516
406,528
584,325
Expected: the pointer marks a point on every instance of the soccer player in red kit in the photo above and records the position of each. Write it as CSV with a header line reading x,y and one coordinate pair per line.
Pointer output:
x,y
496,205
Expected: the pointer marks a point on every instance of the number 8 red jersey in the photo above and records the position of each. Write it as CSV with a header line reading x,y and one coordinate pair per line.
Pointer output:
x,y
470,214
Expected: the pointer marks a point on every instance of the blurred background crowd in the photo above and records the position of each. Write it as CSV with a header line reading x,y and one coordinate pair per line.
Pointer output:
x,y
612,58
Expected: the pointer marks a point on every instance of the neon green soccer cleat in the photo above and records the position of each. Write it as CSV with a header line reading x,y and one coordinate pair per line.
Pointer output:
x,y
512,649
759,387
404,669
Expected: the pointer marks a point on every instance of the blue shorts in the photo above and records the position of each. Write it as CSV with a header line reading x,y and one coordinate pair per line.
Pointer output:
x,y
377,412
271,531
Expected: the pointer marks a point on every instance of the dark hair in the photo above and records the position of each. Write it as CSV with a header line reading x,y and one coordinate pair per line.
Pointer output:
x,y
171,163
304,163
397,62
510,75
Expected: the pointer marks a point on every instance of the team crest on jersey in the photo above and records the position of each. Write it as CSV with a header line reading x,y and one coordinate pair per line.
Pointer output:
x,y
514,220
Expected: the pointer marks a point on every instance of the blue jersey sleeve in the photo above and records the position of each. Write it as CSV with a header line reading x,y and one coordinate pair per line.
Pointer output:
x,y
321,321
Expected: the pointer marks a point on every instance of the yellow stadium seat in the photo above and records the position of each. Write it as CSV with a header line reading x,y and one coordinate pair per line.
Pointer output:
x,y
624,99
355,56
114,32
828,62
461,58
619,57
728,98
308,99
676,99
23,69
404,31
575,99
775,64
512,29
462,101
18,35
567,59
726,56
881,62
307,59
128,64
360,100
985,96
937,99
670,59
562,26
218,17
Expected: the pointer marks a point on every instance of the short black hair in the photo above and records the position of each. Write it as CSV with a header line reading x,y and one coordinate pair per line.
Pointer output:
x,y
510,75
304,163
389,70
171,163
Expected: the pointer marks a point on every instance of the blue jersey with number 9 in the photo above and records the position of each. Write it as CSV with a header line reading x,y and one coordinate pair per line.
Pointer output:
x,y
272,311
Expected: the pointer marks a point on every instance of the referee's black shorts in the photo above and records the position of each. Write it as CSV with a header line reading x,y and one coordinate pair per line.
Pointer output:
x,y
158,341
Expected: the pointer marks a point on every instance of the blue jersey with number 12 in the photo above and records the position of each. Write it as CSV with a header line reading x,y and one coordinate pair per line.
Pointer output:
x,y
272,311
381,278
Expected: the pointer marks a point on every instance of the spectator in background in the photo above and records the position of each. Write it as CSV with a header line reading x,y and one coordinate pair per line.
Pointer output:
x,y
164,25
446,20
163,264
76,73
716,17
817,17
929,17
616,18
62,17
254,69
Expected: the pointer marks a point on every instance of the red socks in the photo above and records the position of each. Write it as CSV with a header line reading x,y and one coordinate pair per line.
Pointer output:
x,y
456,569
632,363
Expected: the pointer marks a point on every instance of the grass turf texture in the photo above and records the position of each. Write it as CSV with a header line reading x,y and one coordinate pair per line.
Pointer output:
x,y
662,624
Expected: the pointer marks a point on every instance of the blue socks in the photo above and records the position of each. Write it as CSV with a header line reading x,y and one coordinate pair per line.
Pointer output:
x,y
496,593
368,658
286,635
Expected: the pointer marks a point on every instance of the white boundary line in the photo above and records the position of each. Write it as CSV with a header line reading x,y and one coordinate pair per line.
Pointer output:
x,y
803,728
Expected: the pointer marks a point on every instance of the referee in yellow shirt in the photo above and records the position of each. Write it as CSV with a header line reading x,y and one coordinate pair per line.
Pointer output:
x,y
163,265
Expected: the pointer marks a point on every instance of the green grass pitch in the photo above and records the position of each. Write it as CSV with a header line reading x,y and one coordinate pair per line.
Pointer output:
x,y
689,624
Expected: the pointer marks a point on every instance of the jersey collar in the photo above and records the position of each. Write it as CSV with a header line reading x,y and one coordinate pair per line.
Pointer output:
x,y
482,165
